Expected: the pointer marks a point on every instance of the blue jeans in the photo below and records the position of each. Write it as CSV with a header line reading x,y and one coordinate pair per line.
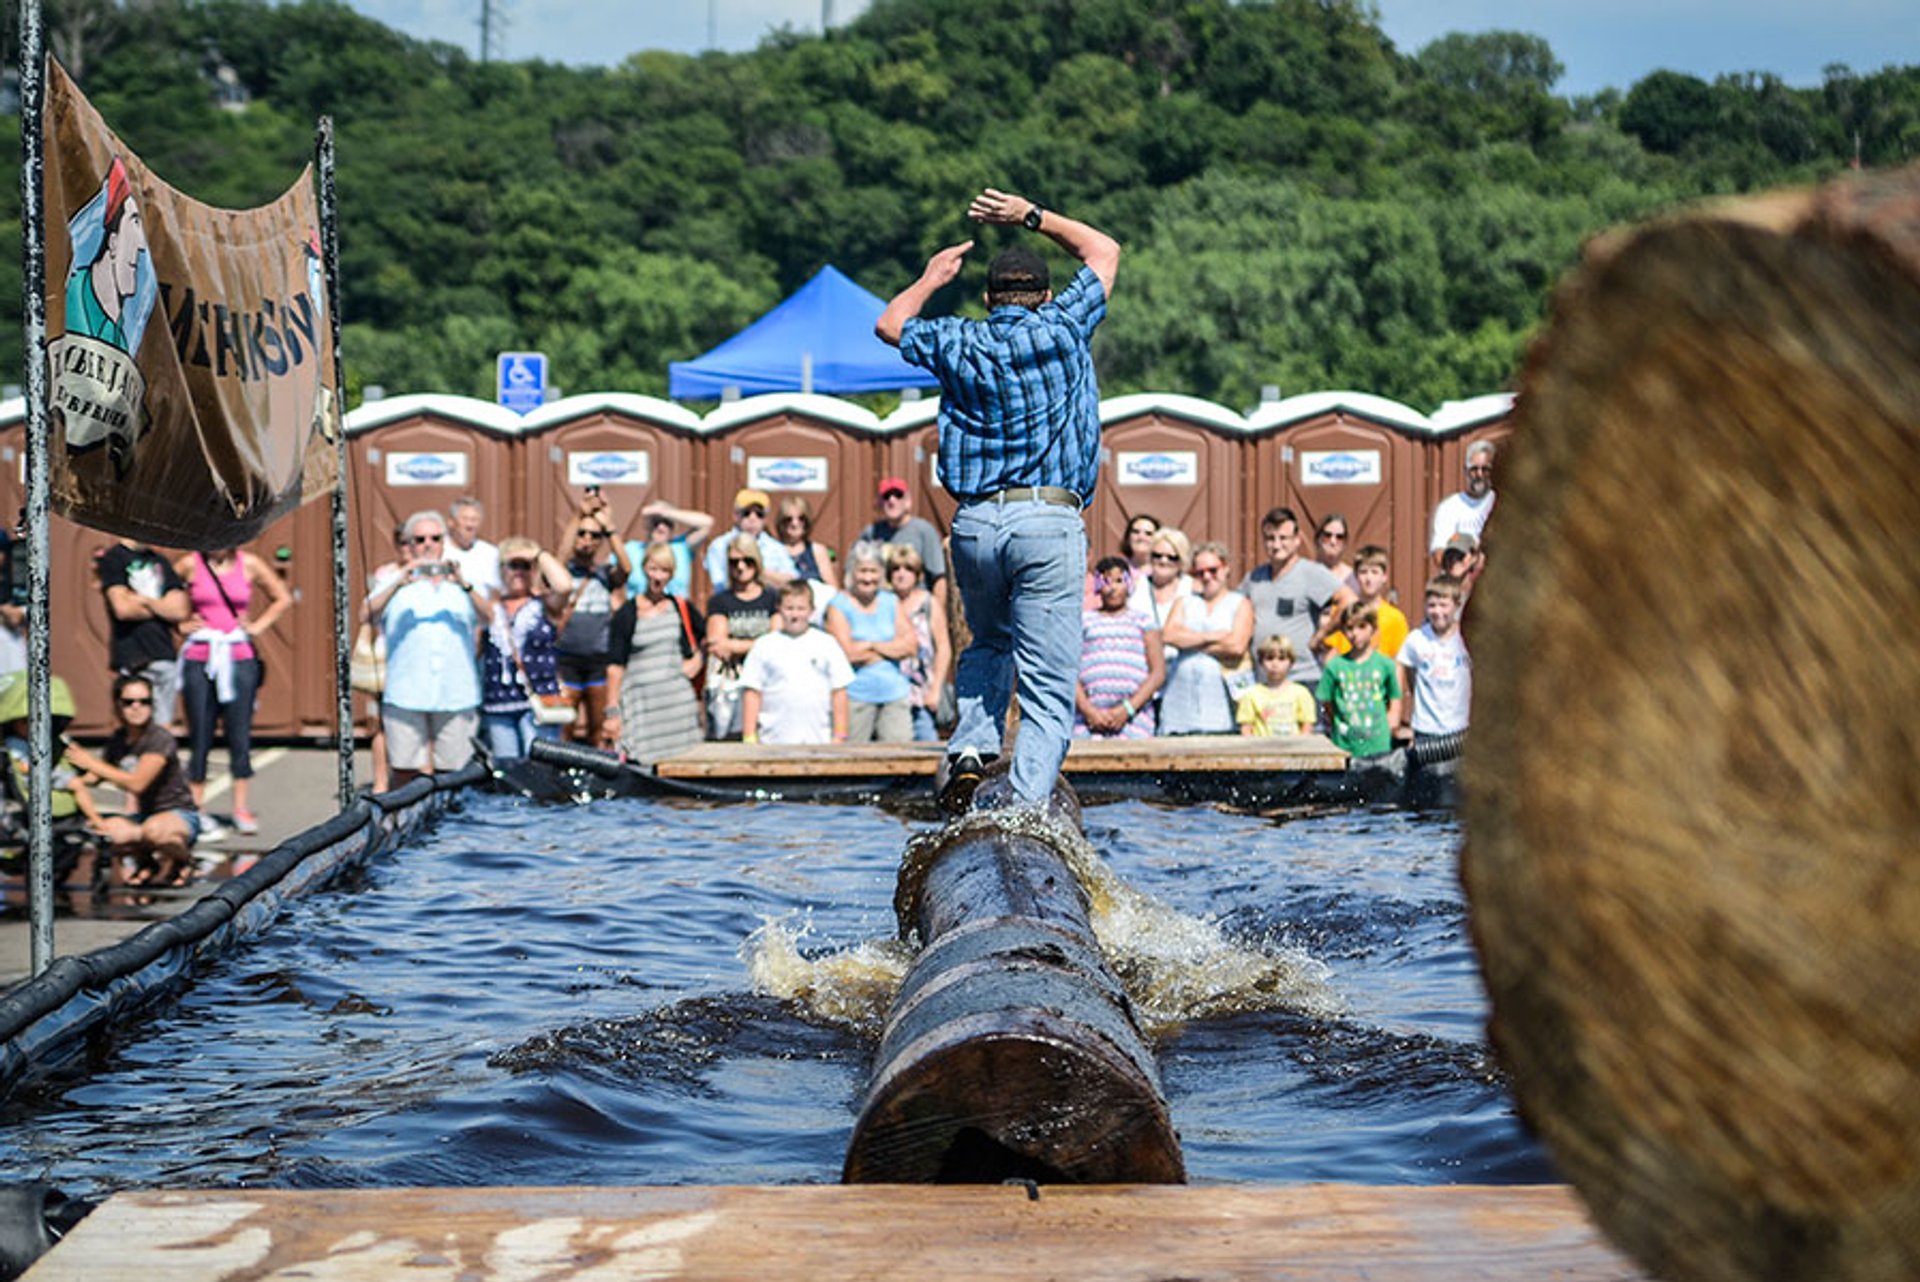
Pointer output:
x,y
509,734
203,705
1021,568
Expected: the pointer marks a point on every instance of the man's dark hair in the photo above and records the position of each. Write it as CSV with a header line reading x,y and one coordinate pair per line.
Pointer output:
x,y
1018,277
1278,517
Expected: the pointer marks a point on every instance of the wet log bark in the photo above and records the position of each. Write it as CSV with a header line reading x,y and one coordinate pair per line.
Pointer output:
x,y
1010,1051
1691,797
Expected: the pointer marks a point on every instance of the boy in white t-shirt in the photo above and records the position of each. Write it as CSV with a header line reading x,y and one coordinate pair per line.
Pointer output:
x,y
794,680
1435,669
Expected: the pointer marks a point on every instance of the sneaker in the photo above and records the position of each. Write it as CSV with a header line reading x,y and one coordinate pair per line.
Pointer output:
x,y
212,829
244,823
963,771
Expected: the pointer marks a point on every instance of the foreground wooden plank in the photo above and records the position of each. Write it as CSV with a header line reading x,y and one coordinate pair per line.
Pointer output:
x,y
889,1232
1190,754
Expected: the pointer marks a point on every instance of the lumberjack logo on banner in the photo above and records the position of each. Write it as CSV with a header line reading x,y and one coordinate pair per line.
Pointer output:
x,y
190,351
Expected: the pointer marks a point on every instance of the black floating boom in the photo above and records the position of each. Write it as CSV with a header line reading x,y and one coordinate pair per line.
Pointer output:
x,y
1010,1051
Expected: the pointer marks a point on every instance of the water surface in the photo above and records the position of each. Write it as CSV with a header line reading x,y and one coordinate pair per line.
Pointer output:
x,y
674,992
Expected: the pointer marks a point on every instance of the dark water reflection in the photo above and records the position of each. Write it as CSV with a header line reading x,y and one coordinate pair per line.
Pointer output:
x,y
551,996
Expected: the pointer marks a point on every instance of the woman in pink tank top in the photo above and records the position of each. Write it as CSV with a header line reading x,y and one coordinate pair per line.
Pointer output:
x,y
219,668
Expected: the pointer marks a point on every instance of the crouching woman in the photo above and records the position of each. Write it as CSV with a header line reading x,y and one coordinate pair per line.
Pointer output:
x,y
153,845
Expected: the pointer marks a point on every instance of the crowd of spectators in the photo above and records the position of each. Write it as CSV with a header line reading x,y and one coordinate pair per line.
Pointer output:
x,y
798,645
602,640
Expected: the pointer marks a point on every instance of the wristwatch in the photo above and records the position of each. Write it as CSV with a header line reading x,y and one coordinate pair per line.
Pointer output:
x,y
1034,214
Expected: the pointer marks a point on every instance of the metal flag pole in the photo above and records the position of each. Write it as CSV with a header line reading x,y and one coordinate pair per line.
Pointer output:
x,y
33,241
342,643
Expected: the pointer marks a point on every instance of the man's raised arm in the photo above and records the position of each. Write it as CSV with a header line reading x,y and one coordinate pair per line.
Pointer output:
x,y
907,304
1099,251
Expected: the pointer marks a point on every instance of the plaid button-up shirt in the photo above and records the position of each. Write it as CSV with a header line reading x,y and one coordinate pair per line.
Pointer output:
x,y
1019,404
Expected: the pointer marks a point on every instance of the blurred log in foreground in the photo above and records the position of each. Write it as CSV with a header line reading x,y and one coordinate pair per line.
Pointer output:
x,y
1010,1051
1693,816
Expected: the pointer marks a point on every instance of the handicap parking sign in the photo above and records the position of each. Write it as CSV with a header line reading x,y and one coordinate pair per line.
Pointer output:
x,y
521,381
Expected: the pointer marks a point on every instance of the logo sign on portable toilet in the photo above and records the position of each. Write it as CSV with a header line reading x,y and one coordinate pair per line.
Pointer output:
x,y
1157,467
520,381
1340,467
438,467
609,467
807,475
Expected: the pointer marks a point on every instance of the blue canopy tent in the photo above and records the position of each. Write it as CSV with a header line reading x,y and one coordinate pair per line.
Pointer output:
x,y
819,340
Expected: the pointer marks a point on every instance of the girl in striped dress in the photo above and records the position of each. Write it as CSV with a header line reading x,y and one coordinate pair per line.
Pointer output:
x,y
1121,664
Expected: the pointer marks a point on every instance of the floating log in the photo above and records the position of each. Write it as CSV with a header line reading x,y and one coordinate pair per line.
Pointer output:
x,y
1010,1051
1691,806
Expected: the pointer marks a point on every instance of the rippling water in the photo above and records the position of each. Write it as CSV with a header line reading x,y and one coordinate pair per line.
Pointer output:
x,y
669,992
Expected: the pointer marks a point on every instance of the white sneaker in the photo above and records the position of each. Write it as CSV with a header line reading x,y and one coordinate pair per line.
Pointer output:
x,y
212,829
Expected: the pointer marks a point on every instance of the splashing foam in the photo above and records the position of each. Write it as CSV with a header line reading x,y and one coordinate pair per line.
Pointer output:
x,y
1175,967
850,987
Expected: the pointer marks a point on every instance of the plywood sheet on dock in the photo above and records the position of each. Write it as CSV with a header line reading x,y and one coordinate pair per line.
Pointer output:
x,y
889,1232
1188,754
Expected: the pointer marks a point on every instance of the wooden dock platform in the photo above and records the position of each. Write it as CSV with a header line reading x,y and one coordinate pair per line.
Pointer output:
x,y
1186,754
1117,1233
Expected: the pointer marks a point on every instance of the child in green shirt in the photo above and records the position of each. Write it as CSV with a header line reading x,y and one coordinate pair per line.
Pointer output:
x,y
1361,689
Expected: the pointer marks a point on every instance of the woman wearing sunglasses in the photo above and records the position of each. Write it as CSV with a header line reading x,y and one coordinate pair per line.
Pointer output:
x,y
737,616
153,845
599,586
1210,633
1332,545
519,651
812,560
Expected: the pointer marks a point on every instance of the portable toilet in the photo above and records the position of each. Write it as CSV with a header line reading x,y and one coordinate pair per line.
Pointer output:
x,y
1351,453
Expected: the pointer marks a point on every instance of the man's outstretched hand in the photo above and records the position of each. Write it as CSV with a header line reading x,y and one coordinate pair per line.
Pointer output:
x,y
992,206
945,265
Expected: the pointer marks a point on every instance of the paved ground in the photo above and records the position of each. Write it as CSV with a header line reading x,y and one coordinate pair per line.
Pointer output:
x,y
294,788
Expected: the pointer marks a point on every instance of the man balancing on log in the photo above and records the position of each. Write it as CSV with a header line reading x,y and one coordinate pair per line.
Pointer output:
x,y
1019,449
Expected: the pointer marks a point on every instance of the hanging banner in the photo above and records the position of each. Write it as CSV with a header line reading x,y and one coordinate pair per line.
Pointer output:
x,y
191,356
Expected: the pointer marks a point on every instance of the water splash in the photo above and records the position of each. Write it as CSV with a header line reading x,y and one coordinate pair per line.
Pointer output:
x,y
850,987
1175,967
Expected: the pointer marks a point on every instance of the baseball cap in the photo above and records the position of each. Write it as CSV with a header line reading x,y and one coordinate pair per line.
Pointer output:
x,y
751,498
1461,542
892,485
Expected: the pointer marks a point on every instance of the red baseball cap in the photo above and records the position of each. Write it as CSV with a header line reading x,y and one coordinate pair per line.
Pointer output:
x,y
892,485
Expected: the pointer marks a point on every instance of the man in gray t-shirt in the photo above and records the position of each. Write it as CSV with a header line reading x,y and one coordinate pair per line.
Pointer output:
x,y
1294,597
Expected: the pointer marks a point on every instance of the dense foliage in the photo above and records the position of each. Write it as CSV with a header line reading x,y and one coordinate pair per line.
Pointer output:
x,y
1301,203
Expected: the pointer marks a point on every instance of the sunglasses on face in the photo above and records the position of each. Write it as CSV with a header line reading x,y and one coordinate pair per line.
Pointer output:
x,y
428,538
1208,571
1333,536
520,566
893,494
1479,471
741,560
135,701
755,510
1168,557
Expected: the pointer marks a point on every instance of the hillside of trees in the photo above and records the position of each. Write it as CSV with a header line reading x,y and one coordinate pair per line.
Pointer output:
x,y
1302,204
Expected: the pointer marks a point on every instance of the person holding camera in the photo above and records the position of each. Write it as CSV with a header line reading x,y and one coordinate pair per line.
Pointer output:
x,y
430,616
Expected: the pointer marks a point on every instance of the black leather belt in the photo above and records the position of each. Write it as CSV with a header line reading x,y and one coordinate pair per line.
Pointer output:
x,y
1034,493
